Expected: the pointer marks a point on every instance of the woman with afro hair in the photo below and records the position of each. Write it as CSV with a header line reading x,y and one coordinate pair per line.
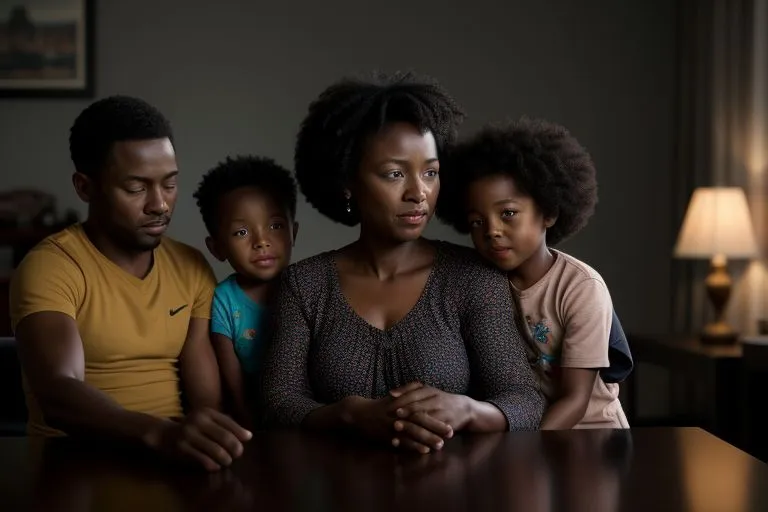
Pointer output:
x,y
519,189
395,337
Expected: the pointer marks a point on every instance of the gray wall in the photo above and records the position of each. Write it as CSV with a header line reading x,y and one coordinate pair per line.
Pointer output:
x,y
237,78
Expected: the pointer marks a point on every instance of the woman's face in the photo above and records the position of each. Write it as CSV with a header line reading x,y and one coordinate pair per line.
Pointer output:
x,y
396,186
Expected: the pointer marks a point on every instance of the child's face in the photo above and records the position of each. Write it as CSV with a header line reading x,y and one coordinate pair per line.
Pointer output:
x,y
507,227
255,235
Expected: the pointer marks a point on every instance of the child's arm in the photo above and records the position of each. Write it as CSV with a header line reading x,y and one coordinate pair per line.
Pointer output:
x,y
587,314
575,389
232,375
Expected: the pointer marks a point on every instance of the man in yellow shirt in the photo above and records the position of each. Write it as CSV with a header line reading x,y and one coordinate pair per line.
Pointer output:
x,y
111,316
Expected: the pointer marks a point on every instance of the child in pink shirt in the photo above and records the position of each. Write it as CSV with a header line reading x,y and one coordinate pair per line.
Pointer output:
x,y
519,189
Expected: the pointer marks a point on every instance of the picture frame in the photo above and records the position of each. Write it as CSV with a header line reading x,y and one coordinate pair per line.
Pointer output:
x,y
47,48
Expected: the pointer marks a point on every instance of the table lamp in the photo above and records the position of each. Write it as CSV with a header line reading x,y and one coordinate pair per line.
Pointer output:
x,y
717,226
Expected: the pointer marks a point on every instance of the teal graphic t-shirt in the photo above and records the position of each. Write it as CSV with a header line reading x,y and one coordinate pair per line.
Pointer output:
x,y
238,317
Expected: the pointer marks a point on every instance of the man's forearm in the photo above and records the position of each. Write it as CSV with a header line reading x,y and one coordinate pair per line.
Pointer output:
x,y
198,368
202,391
78,408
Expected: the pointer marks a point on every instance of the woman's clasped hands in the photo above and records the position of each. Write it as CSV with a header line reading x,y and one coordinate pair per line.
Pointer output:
x,y
415,416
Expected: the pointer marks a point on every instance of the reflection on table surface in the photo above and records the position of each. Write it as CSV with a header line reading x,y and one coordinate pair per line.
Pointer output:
x,y
595,471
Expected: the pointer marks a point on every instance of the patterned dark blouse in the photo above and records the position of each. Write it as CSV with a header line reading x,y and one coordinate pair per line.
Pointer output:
x,y
460,337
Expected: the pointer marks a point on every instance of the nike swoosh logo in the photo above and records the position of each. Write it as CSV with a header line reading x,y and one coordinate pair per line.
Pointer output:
x,y
173,312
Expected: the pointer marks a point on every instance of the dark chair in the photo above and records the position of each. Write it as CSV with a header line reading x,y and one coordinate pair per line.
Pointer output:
x,y
13,409
754,384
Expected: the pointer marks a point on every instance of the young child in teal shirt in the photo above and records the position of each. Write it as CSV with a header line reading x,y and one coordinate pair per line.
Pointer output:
x,y
248,205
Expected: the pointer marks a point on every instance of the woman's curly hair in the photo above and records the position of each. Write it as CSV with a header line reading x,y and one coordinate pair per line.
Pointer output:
x,y
331,137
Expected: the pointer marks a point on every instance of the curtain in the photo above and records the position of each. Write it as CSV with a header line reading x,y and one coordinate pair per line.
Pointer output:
x,y
722,124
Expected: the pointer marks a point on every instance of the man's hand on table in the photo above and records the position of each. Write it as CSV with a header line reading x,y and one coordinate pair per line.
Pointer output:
x,y
204,436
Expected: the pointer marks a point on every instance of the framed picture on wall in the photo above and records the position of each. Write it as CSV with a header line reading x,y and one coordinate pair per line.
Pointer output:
x,y
46,48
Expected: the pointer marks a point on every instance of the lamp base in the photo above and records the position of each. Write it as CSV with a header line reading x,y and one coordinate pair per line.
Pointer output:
x,y
718,284
718,333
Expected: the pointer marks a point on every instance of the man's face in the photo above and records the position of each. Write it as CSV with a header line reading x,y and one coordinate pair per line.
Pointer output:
x,y
134,195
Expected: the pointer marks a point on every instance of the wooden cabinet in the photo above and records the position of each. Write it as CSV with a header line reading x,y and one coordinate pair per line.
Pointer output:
x,y
705,384
20,241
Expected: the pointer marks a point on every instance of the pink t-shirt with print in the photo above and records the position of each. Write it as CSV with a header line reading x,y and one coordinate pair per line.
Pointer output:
x,y
568,313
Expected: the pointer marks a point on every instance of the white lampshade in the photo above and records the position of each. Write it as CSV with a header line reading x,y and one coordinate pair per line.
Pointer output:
x,y
717,223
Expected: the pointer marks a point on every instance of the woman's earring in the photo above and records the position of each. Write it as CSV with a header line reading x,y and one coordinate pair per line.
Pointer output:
x,y
349,206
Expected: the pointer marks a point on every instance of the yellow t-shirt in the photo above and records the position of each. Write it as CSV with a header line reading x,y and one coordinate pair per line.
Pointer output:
x,y
132,329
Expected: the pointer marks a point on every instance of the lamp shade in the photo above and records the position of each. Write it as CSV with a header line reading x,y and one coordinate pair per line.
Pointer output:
x,y
717,222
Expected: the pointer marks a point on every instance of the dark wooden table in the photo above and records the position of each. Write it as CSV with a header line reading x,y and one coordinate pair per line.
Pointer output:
x,y
681,470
